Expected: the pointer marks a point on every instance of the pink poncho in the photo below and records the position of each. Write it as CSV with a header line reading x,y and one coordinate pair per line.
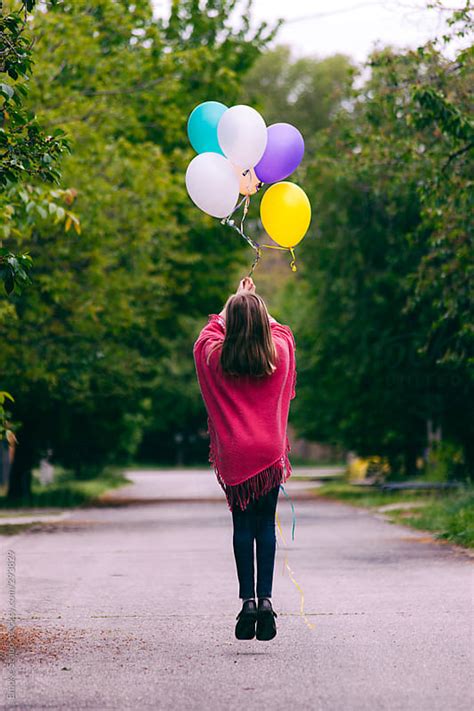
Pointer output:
x,y
247,416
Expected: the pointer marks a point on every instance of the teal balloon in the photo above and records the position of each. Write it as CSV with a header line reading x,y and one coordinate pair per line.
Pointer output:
x,y
202,127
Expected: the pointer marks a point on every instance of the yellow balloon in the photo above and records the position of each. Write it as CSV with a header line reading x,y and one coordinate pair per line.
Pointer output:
x,y
286,213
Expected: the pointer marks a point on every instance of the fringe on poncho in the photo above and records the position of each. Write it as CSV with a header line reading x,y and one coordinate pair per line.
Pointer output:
x,y
240,495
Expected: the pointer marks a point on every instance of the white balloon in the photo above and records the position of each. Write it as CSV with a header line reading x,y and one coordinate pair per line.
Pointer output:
x,y
212,184
242,135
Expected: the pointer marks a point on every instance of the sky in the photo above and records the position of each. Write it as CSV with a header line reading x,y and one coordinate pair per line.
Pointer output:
x,y
354,27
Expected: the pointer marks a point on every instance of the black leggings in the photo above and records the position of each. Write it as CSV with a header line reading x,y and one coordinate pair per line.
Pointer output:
x,y
255,523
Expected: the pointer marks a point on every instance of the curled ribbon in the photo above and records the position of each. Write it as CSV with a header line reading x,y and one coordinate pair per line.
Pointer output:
x,y
291,575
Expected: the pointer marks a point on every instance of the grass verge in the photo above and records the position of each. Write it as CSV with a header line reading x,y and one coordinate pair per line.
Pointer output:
x,y
66,492
448,515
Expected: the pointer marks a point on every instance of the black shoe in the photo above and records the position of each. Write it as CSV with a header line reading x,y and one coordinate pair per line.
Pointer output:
x,y
266,625
246,619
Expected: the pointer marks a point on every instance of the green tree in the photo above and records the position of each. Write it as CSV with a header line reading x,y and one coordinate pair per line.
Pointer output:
x,y
27,151
386,337
306,92
28,154
101,349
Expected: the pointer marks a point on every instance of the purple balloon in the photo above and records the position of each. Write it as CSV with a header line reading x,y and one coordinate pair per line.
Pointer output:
x,y
283,154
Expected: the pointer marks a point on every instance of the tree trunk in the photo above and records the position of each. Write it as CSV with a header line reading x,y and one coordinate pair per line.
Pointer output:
x,y
20,473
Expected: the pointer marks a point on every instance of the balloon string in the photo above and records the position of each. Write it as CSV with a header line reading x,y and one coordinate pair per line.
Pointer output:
x,y
284,249
255,245
237,207
291,575
258,254
228,221
231,223
246,209
293,261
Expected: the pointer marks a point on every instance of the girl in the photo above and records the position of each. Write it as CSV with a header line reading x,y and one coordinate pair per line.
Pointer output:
x,y
245,363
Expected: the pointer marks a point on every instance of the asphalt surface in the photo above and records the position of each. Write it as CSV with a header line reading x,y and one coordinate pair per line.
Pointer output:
x,y
133,607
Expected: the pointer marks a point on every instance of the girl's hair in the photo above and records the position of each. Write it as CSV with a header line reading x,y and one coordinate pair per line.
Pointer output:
x,y
248,347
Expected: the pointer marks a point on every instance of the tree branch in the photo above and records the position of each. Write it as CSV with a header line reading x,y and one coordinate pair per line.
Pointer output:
x,y
456,154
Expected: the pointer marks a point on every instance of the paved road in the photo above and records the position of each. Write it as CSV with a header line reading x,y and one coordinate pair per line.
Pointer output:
x,y
133,607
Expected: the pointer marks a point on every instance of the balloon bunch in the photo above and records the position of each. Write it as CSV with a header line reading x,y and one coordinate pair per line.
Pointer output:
x,y
238,154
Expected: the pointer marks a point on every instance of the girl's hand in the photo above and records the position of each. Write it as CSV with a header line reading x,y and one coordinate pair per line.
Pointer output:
x,y
247,284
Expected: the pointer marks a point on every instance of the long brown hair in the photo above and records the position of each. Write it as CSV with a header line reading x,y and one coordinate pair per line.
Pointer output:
x,y
248,347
